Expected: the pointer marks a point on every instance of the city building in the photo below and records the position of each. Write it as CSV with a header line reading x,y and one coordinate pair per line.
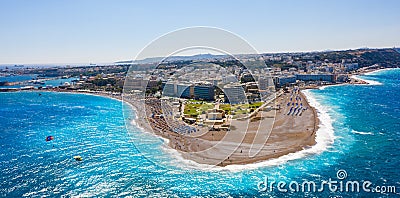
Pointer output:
x,y
316,77
215,114
234,93
264,82
204,92
169,89
350,66
184,90
281,81
214,117
229,79
247,77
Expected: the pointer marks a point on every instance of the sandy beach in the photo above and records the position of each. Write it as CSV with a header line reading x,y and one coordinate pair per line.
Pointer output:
x,y
269,134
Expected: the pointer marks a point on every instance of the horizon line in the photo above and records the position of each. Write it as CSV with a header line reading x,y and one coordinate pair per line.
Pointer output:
x,y
102,63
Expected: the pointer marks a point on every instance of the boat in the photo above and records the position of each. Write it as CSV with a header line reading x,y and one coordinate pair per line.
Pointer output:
x,y
38,82
78,158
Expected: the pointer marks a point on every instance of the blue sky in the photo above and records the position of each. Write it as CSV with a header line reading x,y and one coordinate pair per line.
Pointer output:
x,y
83,31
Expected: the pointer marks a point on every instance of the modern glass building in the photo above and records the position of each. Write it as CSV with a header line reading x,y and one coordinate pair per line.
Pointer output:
x,y
234,94
203,92
316,77
183,90
169,90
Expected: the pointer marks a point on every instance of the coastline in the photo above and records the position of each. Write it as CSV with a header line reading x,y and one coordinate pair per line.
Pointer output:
x,y
358,80
314,144
291,135
307,139
323,132
290,153
322,136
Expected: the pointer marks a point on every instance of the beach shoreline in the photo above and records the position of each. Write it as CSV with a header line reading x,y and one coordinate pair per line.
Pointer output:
x,y
169,138
282,143
291,150
308,145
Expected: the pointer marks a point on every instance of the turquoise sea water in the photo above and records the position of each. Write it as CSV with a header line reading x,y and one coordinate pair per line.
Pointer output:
x,y
17,78
120,161
54,83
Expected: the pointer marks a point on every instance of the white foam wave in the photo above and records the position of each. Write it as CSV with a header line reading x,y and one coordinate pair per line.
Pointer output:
x,y
133,121
325,86
362,133
77,107
373,73
91,94
370,82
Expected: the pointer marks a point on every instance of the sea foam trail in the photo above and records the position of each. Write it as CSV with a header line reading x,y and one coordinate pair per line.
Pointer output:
x,y
362,133
324,138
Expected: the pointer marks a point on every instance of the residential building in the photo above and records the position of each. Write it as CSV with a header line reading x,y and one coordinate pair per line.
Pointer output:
x,y
316,77
203,92
234,93
281,81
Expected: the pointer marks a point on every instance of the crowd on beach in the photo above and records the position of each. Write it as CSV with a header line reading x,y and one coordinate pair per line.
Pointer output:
x,y
295,103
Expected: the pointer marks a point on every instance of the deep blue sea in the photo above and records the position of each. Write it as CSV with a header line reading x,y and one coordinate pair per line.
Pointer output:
x,y
359,134
17,78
